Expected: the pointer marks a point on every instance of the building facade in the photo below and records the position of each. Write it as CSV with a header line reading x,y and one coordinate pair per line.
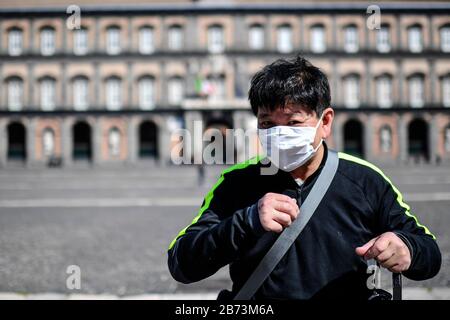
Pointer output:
x,y
112,86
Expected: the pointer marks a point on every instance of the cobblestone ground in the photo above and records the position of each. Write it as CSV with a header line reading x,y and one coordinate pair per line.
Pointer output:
x,y
116,225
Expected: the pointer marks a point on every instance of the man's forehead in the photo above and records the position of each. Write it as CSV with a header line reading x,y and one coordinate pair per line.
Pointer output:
x,y
288,110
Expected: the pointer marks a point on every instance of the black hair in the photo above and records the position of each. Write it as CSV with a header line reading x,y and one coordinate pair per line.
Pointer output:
x,y
289,81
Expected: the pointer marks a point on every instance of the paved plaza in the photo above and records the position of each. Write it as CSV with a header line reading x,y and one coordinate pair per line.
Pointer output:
x,y
116,225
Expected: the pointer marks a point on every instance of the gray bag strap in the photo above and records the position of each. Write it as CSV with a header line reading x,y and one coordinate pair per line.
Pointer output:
x,y
288,236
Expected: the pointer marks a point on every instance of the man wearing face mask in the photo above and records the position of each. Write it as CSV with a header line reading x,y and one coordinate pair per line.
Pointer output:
x,y
362,215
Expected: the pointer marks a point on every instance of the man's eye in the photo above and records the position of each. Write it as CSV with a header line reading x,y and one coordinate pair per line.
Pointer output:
x,y
265,124
294,122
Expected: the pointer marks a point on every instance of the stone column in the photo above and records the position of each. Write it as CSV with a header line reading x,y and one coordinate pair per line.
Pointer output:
x,y
30,142
337,134
97,141
400,80
164,142
67,141
334,43
3,142
402,139
191,30
130,81
368,81
240,33
95,100
132,137
64,102
368,138
32,103
433,138
97,35
432,96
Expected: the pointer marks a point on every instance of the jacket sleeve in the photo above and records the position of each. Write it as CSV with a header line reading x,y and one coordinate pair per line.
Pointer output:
x,y
395,216
215,237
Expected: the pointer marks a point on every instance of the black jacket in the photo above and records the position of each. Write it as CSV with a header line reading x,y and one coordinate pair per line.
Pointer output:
x,y
360,204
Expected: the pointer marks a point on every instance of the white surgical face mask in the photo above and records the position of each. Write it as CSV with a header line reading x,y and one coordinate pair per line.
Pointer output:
x,y
289,147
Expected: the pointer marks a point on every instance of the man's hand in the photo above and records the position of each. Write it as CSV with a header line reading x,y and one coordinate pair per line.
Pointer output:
x,y
277,211
389,250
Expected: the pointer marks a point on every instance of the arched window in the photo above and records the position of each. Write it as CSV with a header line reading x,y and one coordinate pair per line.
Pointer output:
x,y
284,39
80,41
48,41
416,90
256,37
317,38
146,40
175,90
48,94
216,42
15,93
48,142
445,38
415,38
113,45
15,41
383,38
385,139
175,38
147,93
113,93
352,91
114,140
80,93
351,43
384,91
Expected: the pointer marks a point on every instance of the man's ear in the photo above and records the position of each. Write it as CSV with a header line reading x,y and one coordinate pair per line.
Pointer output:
x,y
327,121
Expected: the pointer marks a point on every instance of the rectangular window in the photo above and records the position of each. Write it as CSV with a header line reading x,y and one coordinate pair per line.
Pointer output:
x,y
15,93
113,41
48,95
284,39
351,39
113,94
146,94
176,92
80,94
383,39
15,42
215,39
317,40
445,39
415,41
384,92
446,91
416,92
175,38
146,40
351,85
256,38
47,41
80,42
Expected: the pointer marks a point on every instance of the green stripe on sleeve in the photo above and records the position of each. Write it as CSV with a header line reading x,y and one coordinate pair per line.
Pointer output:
x,y
210,194
348,157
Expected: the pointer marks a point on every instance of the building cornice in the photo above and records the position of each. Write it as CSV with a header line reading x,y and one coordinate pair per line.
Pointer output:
x,y
201,8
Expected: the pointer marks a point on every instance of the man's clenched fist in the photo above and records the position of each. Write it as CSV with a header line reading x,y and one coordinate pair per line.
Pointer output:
x,y
277,211
389,250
